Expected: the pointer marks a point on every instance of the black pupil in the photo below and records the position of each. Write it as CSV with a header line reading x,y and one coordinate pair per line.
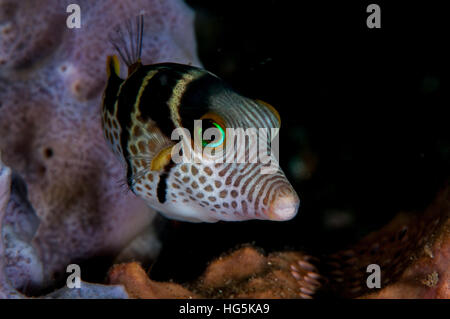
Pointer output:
x,y
207,124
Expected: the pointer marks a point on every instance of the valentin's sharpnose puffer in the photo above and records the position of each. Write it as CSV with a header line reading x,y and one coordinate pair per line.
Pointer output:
x,y
143,113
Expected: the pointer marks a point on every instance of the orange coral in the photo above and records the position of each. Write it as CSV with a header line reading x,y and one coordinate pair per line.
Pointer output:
x,y
412,251
245,273
138,285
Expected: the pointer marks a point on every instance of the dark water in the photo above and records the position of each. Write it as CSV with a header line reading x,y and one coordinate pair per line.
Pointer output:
x,y
364,130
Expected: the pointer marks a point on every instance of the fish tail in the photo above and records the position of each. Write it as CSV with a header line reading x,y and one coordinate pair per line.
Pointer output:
x,y
127,41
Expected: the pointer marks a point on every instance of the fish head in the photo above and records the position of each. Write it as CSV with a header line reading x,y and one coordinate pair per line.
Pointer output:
x,y
220,161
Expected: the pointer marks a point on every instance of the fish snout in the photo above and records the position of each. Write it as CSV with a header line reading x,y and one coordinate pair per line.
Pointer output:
x,y
284,205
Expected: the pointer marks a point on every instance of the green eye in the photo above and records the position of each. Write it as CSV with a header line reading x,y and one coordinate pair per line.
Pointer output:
x,y
221,133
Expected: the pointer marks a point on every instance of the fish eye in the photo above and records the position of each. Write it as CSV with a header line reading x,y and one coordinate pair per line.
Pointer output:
x,y
218,133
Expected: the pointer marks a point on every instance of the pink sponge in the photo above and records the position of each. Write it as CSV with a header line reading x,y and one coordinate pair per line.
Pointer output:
x,y
51,82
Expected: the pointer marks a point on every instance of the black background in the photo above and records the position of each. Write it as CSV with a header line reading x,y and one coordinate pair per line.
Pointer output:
x,y
368,104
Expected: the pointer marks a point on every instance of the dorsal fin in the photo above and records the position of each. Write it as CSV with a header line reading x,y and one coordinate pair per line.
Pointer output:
x,y
127,40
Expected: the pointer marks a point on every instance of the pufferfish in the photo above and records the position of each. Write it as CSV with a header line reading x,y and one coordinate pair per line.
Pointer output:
x,y
139,116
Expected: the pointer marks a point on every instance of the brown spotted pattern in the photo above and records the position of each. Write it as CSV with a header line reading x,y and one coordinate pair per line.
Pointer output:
x,y
225,192
112,130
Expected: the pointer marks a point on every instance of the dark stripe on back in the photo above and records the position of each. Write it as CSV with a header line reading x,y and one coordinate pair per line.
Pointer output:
x,y
112,88
154,102
126,101
197,98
